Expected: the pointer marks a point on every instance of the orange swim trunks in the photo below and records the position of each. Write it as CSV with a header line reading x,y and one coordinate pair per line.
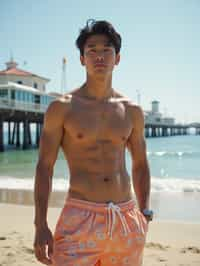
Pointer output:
x,y
89,234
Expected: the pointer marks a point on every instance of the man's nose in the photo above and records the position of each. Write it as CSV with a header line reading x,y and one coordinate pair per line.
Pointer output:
x,y
100,56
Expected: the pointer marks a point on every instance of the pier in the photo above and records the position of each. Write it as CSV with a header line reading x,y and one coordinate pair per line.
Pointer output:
x,y
165,130
15,113
23,102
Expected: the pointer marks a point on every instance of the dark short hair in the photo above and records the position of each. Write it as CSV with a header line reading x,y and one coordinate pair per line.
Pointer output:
x,y
94,27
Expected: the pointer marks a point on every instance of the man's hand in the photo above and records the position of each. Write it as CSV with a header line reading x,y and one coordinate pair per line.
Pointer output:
x,y
43,245
147,219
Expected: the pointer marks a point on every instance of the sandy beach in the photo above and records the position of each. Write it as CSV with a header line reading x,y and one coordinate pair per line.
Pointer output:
x,y
168,243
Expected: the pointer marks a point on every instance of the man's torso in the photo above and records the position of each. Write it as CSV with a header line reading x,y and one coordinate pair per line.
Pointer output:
x,y
95,135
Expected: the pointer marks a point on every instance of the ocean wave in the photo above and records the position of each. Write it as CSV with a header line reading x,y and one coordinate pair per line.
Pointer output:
x,y
60,184
174,185
180,154
8,182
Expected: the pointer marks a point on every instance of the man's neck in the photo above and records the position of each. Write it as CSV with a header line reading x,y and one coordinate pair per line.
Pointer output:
x,y
98,89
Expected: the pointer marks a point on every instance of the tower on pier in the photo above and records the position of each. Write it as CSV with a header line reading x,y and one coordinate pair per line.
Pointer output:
x,y
63,77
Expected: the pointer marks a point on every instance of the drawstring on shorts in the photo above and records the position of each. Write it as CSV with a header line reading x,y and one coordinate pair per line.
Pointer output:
x,y
113,211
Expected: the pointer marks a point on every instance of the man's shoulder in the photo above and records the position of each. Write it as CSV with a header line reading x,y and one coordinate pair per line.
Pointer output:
x,y
61,102
133,108
120,97
126,100
57,109
75,92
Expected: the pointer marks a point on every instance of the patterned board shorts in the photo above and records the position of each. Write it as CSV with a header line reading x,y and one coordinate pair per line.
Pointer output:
x,y
89,234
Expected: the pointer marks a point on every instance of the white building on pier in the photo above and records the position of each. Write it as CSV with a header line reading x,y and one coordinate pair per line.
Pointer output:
x,y
22,90
155,117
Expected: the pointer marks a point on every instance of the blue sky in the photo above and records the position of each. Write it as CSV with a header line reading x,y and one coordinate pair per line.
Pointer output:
x,y
160,53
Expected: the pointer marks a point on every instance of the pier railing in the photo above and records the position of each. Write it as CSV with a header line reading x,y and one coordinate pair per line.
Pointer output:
x,y
22,106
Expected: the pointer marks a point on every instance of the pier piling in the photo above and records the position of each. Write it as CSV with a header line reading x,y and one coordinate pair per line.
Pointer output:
x,y
1,135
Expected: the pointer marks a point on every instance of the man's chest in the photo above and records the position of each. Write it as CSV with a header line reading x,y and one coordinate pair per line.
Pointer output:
x,y
106,120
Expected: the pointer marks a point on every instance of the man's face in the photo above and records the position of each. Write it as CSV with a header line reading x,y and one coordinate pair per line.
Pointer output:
x,y
99,55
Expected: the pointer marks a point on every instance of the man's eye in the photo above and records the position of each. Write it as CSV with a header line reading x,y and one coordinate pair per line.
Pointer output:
x,y
107,50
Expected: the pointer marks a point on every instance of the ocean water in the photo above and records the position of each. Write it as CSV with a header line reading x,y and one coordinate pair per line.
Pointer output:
x,y
174,165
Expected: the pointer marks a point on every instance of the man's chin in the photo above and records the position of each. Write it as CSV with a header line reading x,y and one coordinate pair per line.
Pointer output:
x,y
101,71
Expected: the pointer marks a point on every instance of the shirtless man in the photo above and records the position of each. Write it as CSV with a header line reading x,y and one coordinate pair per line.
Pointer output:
x,y
100,223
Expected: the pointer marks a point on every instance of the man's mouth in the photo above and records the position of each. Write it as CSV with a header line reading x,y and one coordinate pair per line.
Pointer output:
x,y
100,65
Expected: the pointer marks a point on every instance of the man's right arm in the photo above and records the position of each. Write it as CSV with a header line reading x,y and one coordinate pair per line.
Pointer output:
x,y
50,142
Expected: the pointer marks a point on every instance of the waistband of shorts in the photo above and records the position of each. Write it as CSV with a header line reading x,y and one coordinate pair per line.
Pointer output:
x,y
99,207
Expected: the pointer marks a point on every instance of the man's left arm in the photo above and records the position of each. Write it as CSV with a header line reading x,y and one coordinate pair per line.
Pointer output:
x,y
140,168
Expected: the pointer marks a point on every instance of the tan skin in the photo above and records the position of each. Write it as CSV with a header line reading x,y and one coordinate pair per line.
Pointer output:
x,y
93,125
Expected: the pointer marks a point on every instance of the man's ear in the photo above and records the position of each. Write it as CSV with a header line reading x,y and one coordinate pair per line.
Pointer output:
x,y
117,59
82,60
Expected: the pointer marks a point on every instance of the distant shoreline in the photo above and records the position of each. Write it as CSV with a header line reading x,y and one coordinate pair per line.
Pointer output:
x,y
180,207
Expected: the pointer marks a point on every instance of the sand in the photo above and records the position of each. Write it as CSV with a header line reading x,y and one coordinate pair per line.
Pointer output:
x,y
168,243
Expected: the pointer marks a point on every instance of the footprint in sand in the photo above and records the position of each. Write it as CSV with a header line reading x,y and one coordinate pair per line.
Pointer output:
x,y
194,250
156,246
10,254
2,238
13,233
161,259
28,250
